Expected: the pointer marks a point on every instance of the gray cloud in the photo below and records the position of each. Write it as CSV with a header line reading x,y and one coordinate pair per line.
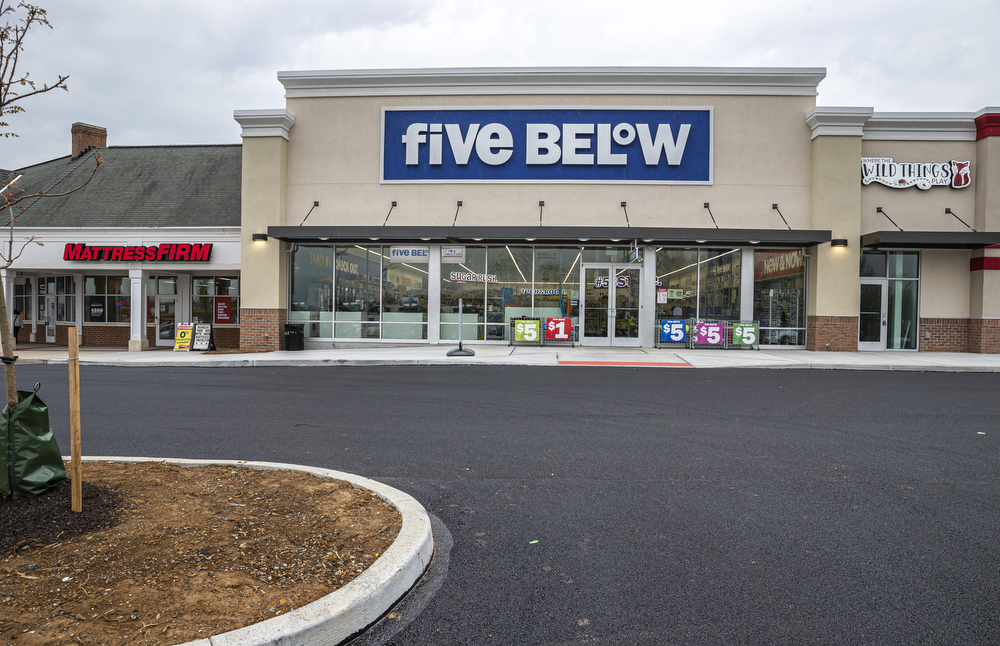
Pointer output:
x,y
159,72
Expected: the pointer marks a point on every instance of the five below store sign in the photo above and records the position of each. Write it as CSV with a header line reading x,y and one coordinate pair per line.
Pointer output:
x,y
537,145
153,253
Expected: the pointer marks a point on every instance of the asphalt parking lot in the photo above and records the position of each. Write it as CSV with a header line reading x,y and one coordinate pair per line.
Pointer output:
x,y
628,506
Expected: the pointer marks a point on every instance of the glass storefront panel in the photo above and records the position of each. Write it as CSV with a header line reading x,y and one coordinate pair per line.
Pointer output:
x,y
311,296
202,309
608,254
404,298
464,277
902,315
510,296
719,284
903,264
597,288
358,292
557,283
627,286
677,283
872,264
779,295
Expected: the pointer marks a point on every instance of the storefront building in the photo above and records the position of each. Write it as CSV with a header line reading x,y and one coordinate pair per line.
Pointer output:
x,y
617,198
156,225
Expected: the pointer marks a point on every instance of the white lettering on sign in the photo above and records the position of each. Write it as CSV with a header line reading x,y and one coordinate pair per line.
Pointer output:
x,y
469,277
923,175
349,267
413,254
572,144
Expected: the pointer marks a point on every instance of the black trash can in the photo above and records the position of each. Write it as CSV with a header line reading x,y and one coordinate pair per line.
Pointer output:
x,y
295,337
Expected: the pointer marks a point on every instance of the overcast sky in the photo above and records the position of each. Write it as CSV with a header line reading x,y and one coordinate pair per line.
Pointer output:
x,y
158,72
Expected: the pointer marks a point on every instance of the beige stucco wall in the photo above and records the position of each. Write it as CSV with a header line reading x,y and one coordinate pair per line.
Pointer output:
x,y
762,156
833,272
944,283
265,177
911,208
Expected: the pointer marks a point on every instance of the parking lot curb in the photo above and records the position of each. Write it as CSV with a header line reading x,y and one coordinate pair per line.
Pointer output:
x,y
346,612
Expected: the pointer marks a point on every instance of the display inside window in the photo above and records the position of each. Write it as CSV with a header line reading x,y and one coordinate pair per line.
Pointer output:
x,y
464,276
208,305
779,295
404,292
107,299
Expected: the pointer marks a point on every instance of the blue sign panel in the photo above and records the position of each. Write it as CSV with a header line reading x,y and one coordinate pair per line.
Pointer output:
x,y
566,145
673,331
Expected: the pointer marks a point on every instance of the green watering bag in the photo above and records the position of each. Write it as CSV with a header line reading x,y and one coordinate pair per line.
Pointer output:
x,y
30,462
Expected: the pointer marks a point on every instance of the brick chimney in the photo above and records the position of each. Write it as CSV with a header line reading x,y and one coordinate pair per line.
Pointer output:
x,y
86,136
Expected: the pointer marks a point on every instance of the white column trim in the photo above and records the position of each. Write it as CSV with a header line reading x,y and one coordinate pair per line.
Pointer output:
x,y
746,283
137,321
434,294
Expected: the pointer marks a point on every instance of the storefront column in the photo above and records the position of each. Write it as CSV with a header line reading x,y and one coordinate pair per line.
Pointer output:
x,y
33,294
137,340
832,322
264,264
434,294
7,276
647,312
78,282
984,298
184,314
746,284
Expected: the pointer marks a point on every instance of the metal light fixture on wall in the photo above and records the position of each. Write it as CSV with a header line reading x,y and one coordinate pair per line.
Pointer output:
x,y
947,211
259,237
838,242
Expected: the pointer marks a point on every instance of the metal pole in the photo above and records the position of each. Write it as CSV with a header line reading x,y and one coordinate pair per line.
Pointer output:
x,y
460,352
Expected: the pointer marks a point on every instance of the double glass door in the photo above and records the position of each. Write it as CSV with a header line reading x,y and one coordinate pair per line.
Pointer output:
x,y
611,305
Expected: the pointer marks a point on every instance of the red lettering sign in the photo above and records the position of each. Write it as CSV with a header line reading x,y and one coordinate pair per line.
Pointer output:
x,y
163,252
775,263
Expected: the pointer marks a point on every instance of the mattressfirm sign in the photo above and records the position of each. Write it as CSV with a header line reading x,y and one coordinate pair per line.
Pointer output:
x,y
923,175
153,253
527,145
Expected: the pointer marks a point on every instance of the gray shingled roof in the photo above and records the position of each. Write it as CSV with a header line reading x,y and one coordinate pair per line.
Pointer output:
x,y
137,186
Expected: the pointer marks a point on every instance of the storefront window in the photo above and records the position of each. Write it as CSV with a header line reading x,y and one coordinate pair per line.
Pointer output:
x,y
719,289
557,284
676,283
358,292
106,299
215,299
311,300
23,299
404,294
463,276
779,295
510,296
65,287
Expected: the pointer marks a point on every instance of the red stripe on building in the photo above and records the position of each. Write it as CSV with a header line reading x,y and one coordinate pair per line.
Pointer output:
x,y
987,125
988,262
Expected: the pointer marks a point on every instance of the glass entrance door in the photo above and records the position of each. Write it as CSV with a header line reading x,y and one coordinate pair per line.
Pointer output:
x,y
872,315
611,303
165,323
50,319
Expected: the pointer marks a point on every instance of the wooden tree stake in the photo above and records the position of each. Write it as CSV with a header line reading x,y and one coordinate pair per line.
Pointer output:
x,y
74,418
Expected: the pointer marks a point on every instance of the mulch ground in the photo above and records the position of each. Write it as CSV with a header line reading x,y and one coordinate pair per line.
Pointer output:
x,y
165,555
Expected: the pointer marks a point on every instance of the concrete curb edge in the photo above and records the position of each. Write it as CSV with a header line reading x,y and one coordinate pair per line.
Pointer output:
x,y
339,615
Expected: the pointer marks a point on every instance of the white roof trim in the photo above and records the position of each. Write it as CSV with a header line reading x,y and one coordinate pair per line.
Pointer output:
x,y
264,123
921,126
838,121
765,81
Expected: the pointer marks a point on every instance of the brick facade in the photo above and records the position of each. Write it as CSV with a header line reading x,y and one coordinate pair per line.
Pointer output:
x,y
984,336
105,335
262,328
833,333
86,136
947,335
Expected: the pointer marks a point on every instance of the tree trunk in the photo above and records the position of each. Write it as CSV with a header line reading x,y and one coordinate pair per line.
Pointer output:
x,y
7,347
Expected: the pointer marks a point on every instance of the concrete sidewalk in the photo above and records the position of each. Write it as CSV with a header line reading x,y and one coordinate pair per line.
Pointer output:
x,y
502,355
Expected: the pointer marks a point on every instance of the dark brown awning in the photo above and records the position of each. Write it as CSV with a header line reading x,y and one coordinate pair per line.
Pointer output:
x,y
930,239
550,235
